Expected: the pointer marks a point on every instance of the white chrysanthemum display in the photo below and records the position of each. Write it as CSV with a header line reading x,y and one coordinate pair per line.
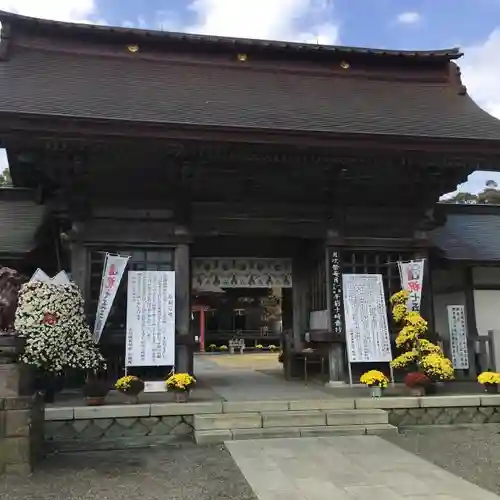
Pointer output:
x,y
52,320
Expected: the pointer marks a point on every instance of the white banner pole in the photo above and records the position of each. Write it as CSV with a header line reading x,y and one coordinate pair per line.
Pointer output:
x,y
114,268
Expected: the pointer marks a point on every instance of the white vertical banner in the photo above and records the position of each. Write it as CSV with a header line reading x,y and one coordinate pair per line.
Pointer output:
x,y
412,279
458,337
150,318
114,267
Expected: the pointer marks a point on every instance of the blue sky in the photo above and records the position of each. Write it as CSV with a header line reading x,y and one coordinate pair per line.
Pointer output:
x,y
474,25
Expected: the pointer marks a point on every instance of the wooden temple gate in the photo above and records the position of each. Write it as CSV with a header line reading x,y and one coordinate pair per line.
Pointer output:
x,y
170,148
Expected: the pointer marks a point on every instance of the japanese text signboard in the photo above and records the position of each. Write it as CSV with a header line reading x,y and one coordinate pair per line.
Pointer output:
x,y
114,267
412,278
150,318
458,337
366,325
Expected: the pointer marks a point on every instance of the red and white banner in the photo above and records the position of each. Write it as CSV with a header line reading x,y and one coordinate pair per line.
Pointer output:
x,y
412,278
114,267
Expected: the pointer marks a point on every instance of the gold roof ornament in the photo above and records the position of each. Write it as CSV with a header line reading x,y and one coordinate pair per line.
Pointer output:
x,y
133,48
345,65
242,57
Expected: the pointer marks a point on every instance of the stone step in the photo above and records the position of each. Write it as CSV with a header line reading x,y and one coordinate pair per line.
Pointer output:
x,y
221,435
289,418
221,421
356,417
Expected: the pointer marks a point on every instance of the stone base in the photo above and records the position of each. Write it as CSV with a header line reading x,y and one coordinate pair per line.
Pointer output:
x,y
335,384
21,434
15,380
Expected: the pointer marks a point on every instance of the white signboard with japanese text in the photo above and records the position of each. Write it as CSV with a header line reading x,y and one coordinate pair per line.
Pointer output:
x,y
114,267
412,278
366,324
458,337
150,318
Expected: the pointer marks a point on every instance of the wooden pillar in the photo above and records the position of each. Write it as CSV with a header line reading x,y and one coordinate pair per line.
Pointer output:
x,y
336,316
299,299
184,340
80,262
202,329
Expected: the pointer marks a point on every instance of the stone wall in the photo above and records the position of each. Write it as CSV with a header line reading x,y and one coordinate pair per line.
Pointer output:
x,y
116,433
403,417
21,434
438,410
121,426
124,426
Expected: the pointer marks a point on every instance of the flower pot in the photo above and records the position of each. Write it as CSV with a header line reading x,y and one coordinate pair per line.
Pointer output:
x,y
181,396
376,391
48,384
132,398
491,388
94,400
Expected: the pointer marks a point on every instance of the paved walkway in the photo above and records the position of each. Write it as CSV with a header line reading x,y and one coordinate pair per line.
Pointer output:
x,y
345,468
235,380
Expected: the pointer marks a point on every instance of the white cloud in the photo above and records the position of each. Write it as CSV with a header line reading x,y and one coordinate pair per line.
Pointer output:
x,y
481,72
4,164
58,10
410,17
266,19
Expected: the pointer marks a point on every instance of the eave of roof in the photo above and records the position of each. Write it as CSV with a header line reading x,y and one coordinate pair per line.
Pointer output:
x,y
471,233
20,219
224,42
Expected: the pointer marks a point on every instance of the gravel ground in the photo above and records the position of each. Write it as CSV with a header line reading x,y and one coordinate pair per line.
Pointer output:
x,y
472,453
187,472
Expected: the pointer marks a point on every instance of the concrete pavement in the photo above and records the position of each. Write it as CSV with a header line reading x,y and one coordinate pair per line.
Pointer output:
x,y
345,468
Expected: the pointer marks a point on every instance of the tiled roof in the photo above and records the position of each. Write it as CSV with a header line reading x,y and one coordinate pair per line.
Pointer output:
x,y
211,40
470,233
20,219
60,84
57,82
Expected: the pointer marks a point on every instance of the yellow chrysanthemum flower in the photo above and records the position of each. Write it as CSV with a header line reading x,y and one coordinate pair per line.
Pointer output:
x,y
374,378
407,335
414,319
399,312
437,367
427,347
403,360
400,297
180,382
492,378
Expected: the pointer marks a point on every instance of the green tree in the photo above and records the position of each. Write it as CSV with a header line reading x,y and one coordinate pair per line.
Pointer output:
x,y
490,195
5,178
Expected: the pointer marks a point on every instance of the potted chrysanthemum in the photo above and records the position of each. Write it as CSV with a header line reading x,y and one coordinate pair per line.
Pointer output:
x,y
376,381
180,384
95,392
52,321
417,382
490,381
131,386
